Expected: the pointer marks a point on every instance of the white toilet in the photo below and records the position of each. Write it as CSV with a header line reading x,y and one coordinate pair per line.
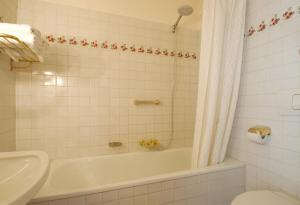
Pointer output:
x,y
264,198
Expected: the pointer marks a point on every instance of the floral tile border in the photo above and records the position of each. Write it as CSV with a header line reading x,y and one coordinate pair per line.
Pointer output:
x,y
275,20
74,41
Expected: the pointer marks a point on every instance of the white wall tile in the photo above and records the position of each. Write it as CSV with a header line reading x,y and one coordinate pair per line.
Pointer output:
x,y
59,202
155,187
8,11
125,193
109,196
269,79
94,199
140,190
77,201
127,201
187,193
7,106
93,89
141,200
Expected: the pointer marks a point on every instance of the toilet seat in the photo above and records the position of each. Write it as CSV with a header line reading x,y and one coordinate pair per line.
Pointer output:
x,y
264,198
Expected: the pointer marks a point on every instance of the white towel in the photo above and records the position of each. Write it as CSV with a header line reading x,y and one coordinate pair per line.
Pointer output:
x,y
25,33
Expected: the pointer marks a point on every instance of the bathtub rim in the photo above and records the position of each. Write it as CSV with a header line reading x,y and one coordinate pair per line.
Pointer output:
x,y
58,162
228,164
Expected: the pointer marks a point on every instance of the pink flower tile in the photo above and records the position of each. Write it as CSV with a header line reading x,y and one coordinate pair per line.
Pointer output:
x,y
132,48
61,39
166,52
179,54
275,20
157,51
114,46
50,38
261,27
84,42
141,49
124,47
288,14
73,41
187,55
149,50
94,44
104,44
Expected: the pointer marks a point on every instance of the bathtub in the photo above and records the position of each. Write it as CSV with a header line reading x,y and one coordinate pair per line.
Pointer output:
x,y
105,179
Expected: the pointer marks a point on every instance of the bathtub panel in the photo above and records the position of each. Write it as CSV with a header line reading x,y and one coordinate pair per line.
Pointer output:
x,y
217,188
143,178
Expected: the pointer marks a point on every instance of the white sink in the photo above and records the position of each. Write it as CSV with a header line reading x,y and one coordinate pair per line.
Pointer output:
x,y
22,174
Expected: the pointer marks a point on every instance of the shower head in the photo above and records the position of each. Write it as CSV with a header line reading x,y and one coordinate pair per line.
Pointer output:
x,y
184,10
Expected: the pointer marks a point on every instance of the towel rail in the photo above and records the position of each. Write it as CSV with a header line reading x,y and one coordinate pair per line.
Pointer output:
x,y
10,42
146,102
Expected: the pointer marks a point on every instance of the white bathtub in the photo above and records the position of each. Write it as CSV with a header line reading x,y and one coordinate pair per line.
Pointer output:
x,y
82,177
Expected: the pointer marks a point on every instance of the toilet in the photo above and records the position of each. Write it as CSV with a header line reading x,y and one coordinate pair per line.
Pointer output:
x,y
264,197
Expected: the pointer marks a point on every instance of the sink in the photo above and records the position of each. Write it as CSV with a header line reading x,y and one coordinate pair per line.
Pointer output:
x,y
22,174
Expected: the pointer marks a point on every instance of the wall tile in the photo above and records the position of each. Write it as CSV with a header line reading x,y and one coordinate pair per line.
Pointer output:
x,y
140,190
8,13
269,79
128,201
8,10
125,193
7,107
77,201
109,196
223,192
94,198
91,90
141,200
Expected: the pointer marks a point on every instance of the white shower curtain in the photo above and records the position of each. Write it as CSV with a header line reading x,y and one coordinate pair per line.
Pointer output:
x,y
219,77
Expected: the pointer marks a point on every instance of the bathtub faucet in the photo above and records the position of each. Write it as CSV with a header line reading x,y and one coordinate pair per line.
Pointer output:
x,y
151,144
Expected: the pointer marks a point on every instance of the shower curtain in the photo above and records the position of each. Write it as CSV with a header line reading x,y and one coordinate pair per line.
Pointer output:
x,y
219,77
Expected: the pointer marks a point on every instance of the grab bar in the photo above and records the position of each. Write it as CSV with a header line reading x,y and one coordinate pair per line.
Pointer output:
x,y
145,102
115,144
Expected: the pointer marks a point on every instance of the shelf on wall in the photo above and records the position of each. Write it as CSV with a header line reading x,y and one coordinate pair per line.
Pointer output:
x,y
12,45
